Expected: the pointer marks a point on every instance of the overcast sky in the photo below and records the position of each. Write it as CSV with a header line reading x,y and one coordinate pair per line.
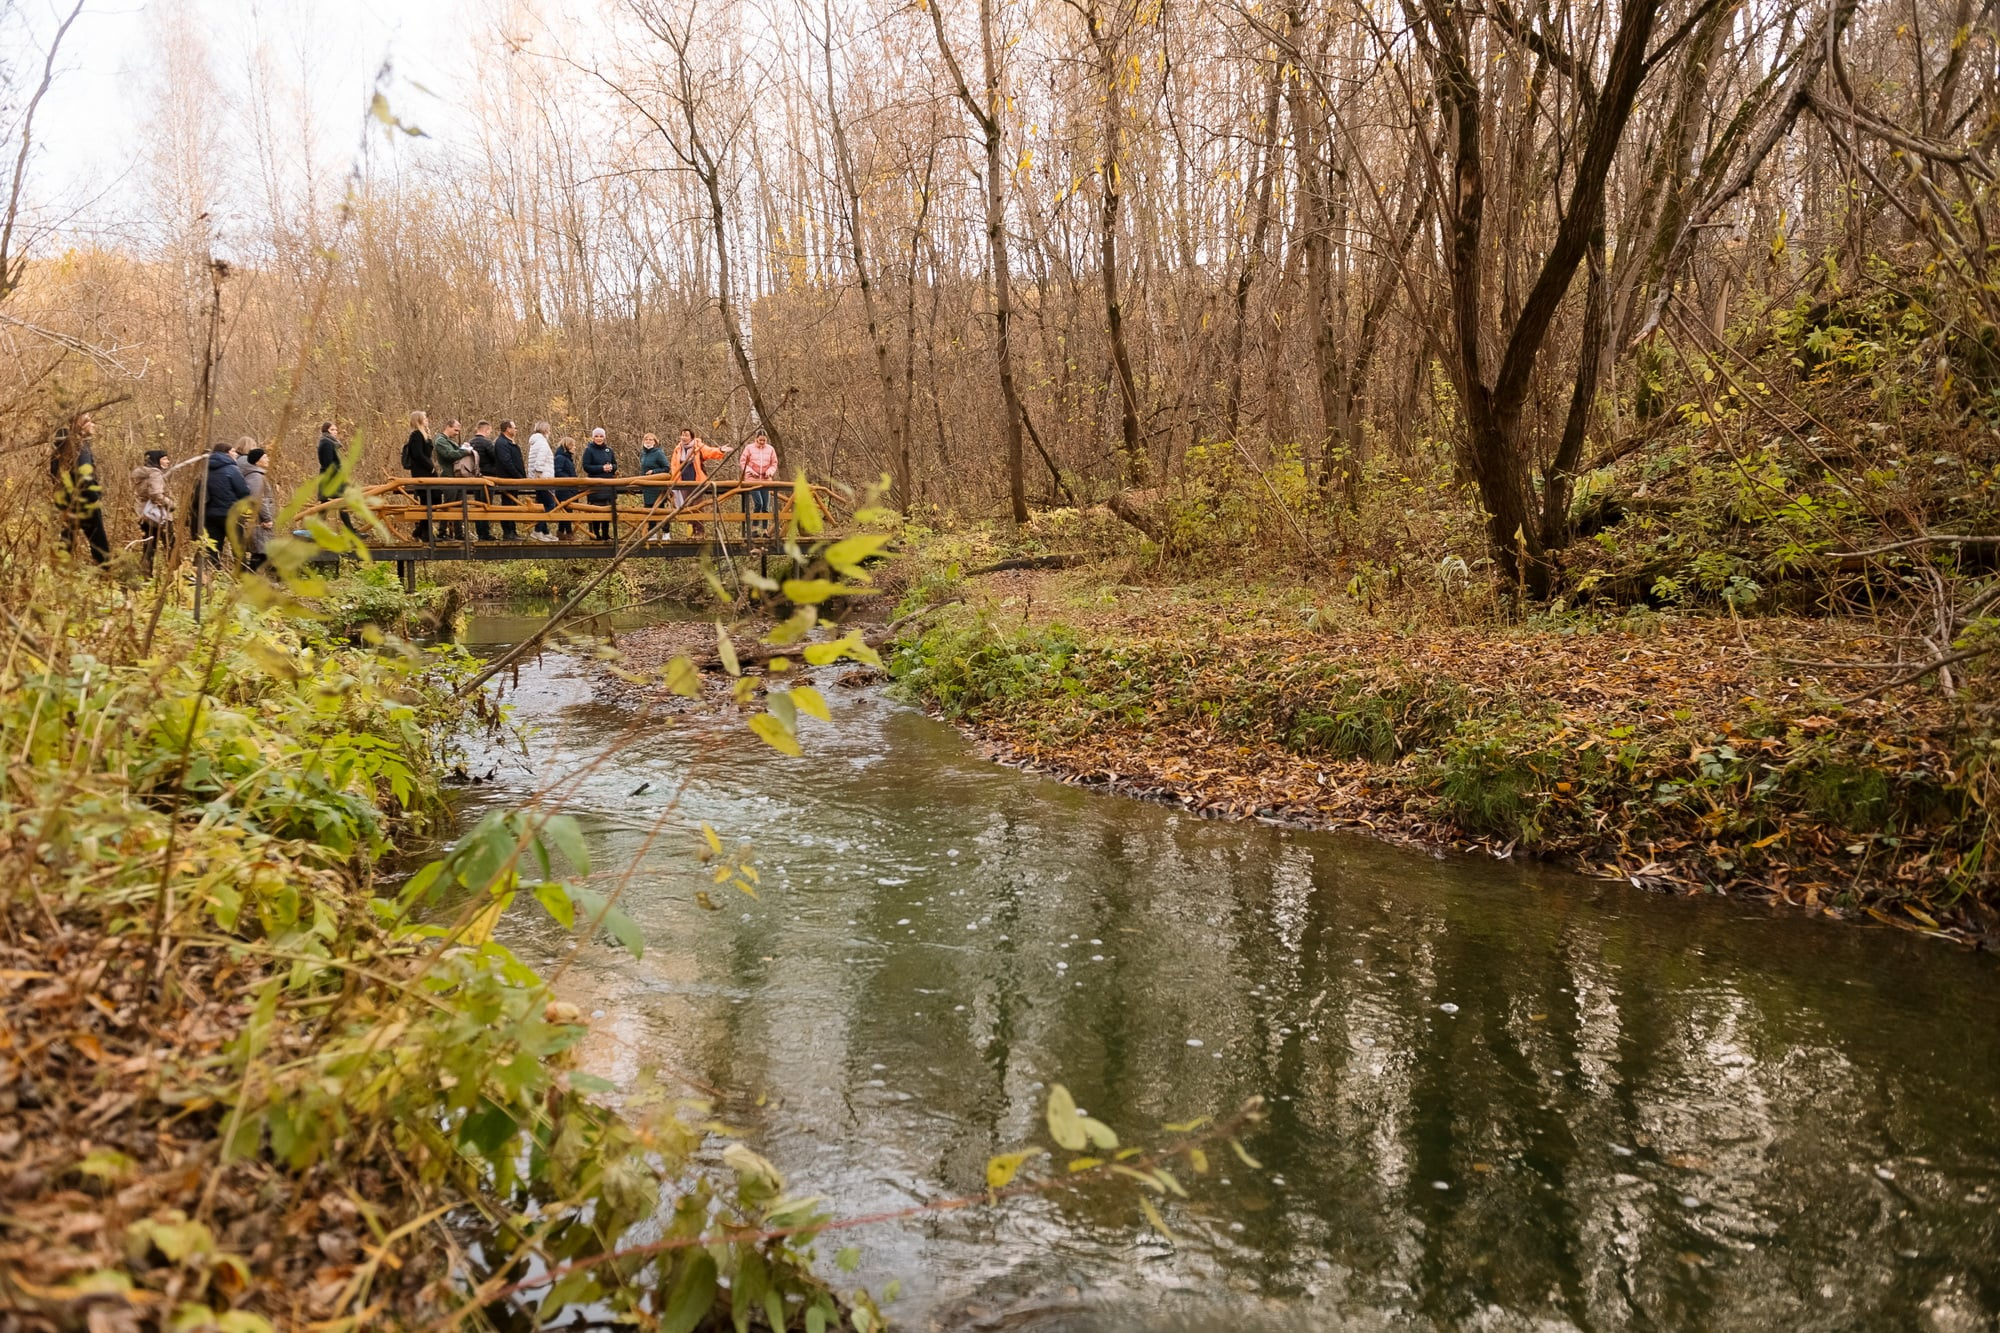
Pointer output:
x,y
90,126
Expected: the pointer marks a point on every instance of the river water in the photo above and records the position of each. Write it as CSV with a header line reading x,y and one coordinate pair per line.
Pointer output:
x,y
1499,1097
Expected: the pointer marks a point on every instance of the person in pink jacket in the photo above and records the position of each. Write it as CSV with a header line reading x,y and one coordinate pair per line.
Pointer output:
x,y
760,463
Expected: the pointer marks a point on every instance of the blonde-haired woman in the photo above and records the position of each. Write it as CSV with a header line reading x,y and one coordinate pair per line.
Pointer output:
x,y
420,460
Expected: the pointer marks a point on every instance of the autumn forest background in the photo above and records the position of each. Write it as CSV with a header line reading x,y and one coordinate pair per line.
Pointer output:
x,y
1421,317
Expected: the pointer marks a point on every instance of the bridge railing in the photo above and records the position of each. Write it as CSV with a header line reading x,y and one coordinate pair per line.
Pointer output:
x,y
444,516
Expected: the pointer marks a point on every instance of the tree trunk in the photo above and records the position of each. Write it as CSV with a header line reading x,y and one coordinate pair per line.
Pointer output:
x,y
1108,50
987,117
1253,259
732,328
898,429
1498,453
1559,478
1312,225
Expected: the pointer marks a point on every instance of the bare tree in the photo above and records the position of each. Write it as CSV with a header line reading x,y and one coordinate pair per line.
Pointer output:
x,y
1108,29
893,422
1493,407
700,128
13,252
987,112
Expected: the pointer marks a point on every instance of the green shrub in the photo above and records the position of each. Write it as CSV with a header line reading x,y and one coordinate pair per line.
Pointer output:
x,y
1488,786
1378,725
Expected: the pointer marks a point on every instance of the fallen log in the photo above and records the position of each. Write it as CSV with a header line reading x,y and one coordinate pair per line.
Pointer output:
x,y
1031,562
1127,506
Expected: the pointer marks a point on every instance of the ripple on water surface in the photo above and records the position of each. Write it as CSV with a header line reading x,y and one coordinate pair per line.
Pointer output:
x,y
1496,1099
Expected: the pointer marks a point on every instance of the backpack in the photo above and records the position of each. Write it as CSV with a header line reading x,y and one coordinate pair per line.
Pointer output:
x,y
418,460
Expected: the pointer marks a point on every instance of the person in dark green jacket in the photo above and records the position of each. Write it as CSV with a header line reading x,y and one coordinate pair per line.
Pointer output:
x,y
449,453
653,462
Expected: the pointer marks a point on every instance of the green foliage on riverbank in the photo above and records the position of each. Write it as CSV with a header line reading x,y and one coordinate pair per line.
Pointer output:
x,y
251,1079
1647,753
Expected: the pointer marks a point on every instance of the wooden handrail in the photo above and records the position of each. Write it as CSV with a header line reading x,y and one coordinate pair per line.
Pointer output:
x,y
441,518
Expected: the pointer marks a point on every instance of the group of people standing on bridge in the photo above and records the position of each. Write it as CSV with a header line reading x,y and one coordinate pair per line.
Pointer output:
x,y
493,452
235,471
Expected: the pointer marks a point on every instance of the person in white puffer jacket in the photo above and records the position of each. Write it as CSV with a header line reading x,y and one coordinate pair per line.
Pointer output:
x,y
542,463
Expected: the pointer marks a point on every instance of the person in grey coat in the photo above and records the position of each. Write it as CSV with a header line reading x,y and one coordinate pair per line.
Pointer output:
x,y
261,524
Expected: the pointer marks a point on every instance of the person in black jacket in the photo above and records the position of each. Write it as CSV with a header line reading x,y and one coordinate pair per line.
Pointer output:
x,y
79,491
420,460
599,461
507,462
481,445
331,456
565,466
330,459
220,489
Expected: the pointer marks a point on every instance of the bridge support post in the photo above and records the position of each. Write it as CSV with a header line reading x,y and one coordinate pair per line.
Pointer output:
x,y
407,571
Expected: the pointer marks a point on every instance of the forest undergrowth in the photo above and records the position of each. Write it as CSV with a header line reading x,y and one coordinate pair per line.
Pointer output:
x,y
251,1074
1762,667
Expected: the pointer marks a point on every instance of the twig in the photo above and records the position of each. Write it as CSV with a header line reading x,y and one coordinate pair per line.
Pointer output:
x,y
162,906
1030,562
1929,538
875,639
520,650
1922,671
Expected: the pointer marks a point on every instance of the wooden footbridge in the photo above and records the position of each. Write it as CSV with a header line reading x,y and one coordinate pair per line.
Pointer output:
x,y
573,518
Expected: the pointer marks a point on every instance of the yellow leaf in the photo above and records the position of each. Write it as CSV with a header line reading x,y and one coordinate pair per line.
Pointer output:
x,y
1085,1163
775,734
1248,1160
1154,1219
806,592
788,632
1065,1125
713,839
848,645
805,508
847,555
1000,1170
750,1168
811,702
682,678
1144,1179
726,650
480,928
1198,1160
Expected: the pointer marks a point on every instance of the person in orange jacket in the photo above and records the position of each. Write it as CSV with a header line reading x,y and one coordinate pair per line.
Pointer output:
x,y
690,465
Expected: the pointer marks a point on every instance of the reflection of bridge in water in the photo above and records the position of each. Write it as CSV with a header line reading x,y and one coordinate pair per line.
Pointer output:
x,y
491,518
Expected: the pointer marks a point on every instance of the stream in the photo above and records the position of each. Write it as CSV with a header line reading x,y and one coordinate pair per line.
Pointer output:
x,y
1499,1097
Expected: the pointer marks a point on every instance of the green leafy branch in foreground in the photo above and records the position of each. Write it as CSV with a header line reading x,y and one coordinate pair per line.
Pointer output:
x,y
822,571
787,1218
192,840
379,1101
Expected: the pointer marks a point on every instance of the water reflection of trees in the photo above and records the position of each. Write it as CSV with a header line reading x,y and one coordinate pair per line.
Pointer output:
x,y
1611,1059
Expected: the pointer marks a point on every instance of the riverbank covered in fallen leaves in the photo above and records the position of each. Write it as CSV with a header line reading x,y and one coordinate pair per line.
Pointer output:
x,y
1682,754
253,1075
